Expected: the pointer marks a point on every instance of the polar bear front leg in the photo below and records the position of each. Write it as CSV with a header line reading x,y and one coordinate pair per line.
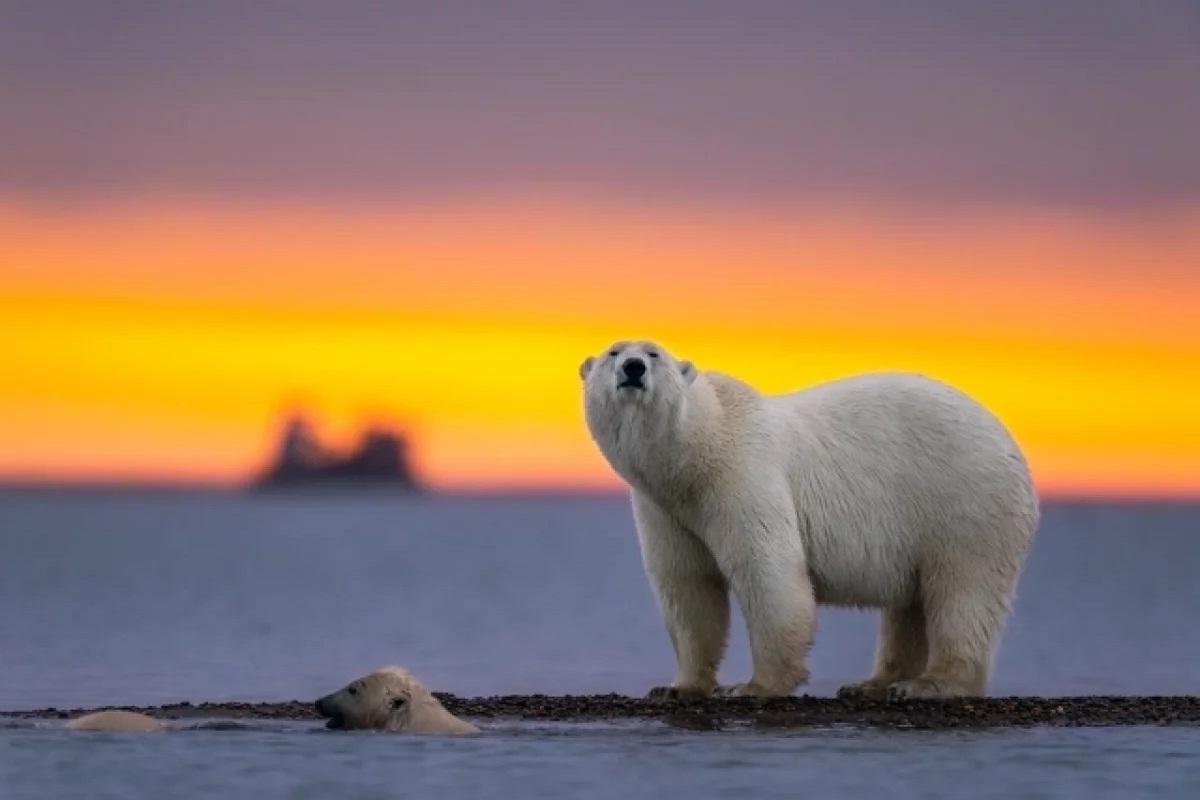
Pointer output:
x,y
762,556
692,595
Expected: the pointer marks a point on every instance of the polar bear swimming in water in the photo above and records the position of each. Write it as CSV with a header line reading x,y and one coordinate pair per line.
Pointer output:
x,y
115,720
389,699
889,491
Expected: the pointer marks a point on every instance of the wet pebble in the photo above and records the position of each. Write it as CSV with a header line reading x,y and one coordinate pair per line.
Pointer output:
x,y
716,713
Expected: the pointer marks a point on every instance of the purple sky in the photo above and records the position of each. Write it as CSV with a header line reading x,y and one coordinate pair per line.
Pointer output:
x,y
1080,103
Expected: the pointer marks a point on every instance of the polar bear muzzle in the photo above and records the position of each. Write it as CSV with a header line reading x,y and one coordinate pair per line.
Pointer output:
x,y
327,708
633,374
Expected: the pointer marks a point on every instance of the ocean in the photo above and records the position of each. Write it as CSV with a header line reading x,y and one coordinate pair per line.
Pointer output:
x,y
124,597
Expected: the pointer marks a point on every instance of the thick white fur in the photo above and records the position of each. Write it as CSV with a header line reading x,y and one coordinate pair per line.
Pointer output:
x,y
115,720
390,699
890,491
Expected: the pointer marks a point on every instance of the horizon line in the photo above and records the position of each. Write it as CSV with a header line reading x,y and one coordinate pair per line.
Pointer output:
x,y
13,484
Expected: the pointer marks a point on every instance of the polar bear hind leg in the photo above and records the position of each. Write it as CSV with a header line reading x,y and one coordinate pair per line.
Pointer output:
x,y
901,655
965,609
966,599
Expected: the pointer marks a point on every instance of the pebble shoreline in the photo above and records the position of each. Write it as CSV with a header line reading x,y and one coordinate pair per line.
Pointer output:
x,y
715,714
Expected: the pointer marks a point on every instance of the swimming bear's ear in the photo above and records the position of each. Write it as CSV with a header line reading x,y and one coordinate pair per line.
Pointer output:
x,y
586,367
689,370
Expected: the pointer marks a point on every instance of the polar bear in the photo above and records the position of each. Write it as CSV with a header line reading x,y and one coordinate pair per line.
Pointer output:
x,y
115,720
389,699
888,491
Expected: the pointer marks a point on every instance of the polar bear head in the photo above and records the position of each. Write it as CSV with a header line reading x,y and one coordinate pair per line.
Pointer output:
x,y
640,401
634,374
389,699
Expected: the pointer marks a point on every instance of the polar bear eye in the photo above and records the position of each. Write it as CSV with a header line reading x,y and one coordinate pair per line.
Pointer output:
x,y
352,689
614,353
652,354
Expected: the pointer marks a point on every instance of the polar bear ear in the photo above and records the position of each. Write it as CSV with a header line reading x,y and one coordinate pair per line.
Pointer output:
x,y
689,370
586,367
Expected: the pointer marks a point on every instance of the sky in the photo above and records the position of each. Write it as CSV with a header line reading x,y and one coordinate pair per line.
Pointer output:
x,y
429,214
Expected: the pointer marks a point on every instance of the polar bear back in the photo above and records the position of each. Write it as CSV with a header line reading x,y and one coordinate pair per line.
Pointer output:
x,y
892,471
115,720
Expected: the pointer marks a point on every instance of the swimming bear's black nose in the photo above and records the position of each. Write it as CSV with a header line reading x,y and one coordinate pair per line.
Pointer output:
x,y
634,368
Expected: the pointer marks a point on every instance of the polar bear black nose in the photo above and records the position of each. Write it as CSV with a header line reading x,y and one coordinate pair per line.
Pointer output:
x,y
634,368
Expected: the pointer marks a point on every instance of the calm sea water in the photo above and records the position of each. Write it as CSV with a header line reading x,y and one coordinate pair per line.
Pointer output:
x,y
145,598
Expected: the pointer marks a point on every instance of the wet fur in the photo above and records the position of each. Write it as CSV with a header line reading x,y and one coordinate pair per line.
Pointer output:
x,y
390,699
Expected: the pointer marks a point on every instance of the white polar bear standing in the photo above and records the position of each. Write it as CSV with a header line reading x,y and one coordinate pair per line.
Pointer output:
x,y
889,491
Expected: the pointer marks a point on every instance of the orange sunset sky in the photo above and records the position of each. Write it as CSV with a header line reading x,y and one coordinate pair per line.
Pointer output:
x,y
430,217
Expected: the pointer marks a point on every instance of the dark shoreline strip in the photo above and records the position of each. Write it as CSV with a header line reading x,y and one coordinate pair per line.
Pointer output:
x,y
715,714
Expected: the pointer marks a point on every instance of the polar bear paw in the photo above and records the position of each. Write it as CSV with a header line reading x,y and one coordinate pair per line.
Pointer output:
x,y
868,690
677,693
924,689
750,689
